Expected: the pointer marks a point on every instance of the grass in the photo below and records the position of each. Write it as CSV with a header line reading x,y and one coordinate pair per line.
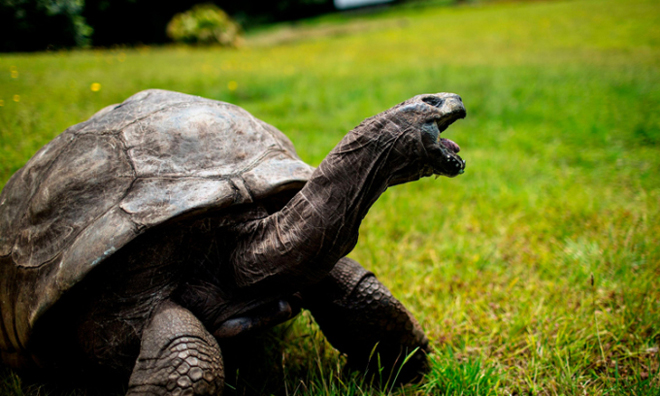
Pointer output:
x,y
536,272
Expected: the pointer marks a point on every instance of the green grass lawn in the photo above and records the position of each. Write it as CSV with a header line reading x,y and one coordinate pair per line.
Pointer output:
x,y
535,272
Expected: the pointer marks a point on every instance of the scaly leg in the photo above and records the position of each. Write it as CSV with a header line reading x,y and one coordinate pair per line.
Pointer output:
x,y
177,356
356,312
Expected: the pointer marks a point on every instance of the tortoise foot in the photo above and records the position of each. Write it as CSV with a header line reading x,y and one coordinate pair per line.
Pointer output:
x,y
361,318
177,357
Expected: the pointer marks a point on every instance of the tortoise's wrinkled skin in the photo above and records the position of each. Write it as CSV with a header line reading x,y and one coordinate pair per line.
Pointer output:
x,y
141,239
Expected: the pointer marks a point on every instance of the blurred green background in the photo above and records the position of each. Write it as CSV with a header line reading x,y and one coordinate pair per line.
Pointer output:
x,y
535,272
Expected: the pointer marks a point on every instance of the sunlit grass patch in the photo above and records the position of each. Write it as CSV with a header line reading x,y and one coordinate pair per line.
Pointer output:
x,y
451,375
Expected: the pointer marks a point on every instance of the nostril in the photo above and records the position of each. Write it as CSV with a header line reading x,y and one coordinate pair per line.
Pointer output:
x,y
433,101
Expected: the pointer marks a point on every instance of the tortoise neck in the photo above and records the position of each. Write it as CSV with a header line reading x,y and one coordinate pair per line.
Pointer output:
x,y
301,243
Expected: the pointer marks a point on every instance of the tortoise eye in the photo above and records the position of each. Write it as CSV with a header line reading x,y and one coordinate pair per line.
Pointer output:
x,y
433,101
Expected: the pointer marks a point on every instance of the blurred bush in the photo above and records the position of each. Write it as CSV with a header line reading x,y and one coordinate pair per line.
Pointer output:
x,y
204,24
32,25
145,21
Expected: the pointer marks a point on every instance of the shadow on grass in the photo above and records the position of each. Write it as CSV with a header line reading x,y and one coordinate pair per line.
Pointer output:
x,y
256,368
13,384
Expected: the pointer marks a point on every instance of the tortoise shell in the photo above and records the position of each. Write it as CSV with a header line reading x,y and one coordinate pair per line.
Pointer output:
x,y
155,157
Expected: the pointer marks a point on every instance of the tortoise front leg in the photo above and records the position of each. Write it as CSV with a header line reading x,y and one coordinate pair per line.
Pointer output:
x,y
177,356
357,313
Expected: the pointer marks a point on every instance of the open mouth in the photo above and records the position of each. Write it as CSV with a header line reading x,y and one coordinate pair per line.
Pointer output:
x,y
444,122
451,164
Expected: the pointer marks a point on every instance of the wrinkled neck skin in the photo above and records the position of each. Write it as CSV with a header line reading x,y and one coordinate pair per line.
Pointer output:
x,y
301,243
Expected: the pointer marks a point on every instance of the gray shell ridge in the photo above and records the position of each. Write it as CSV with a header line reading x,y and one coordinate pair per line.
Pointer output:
x,y
130,167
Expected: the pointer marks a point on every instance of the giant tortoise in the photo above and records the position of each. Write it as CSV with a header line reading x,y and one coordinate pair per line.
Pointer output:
x,y
136,240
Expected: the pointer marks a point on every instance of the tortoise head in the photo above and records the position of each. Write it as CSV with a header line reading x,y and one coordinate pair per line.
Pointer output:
x,y
427,116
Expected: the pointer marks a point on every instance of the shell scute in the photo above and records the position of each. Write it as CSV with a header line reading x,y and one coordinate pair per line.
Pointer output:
x,y
186,142
155,200
79,186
